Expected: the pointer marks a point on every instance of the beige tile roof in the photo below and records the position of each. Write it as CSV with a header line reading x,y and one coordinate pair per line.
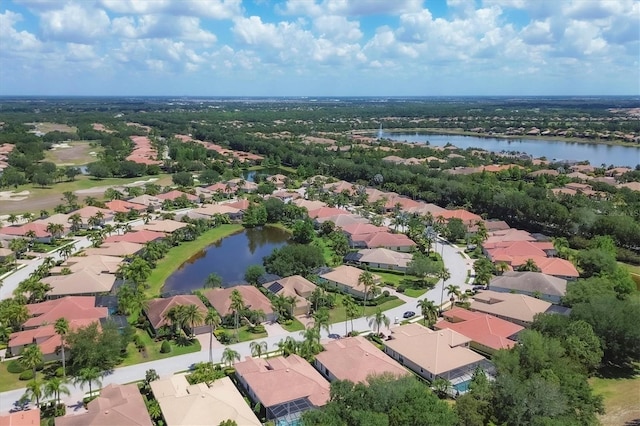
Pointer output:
x,y
97,264
385,256
120,405
531,282
81,282
355,359
220,299
518,307
296,286
435,351
121,249
166,225
186,405
278,380
348,276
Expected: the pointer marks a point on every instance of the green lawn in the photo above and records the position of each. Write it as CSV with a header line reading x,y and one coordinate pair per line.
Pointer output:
x,y
180,254
294,326
415,292
338,313
327,251
153,350
9,381
244,335
621,397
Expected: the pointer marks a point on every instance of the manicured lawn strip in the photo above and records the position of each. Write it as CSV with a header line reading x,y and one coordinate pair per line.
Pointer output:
x,y
415,292
10,381
327,251
338,313
180,254
245,335
294,326
153,350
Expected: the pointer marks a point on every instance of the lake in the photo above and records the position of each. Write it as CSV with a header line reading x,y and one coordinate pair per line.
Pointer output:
x,y
596,154
228,258
250,175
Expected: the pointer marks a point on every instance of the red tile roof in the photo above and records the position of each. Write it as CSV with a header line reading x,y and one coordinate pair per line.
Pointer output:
x,y
39,229
484,329
70,307
387,239
139,237
158,308
326,212
172,195
220,299
122,206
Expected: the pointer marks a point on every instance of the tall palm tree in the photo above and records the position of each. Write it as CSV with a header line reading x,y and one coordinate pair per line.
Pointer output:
x,y
444,275
55,387
378,319
366,280
429,311
321,319
89,375
237,305
229,356
193,317
76,221
351,310
31,358
175,318
258,348
529,265
287,346
61,327
453,291
212,319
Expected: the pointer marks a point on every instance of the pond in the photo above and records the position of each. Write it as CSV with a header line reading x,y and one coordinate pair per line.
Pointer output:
x,y
228,258
596,154
250,175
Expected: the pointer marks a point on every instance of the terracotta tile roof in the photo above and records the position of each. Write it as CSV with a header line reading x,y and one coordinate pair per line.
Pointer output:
x,y
241,204
293,377
308,204
362,229
343,219
464,215
220,299
405,203
518,307
510,234
158,308
138,237
172,195
39,229
122,206
500,250
45,336
355,358
425,208
70,307
435,351
117,405
326,212
29,417
386,239
348,276
89,211
484,329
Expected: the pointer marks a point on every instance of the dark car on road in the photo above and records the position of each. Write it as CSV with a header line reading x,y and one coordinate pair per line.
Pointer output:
x,y
408,314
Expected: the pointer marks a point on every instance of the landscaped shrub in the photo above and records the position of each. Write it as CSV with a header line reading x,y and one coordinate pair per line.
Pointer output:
x,y
15,367
165,348
385,293
401,289
59,372
26,375
257,329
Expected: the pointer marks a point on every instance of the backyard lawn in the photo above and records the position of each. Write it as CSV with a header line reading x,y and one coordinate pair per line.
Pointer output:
x,y
9,381
338,313
180,254
294,326
153,350
621,397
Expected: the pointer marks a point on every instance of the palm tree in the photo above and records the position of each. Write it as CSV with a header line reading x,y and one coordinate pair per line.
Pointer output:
x,y
66,251
212,319
34,391
366,280
453,291
229,356
311,344
258,348
193,317
287,346
61,327
89,375
55,229
529,265
213,280
351,310
321,319
76,221
153,407
31,358
378,319
175,318
237,305
54,387
13,218
429,311
444,275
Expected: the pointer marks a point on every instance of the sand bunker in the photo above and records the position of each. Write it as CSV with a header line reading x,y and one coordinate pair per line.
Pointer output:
x,y
13,196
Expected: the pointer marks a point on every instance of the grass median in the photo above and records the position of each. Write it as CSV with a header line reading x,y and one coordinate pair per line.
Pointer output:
x,y
180,254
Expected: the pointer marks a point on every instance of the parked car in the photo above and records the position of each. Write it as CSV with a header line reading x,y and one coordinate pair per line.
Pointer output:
x,y
408,314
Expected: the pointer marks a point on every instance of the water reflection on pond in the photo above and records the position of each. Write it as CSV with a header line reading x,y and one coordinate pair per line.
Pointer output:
x,y
228,258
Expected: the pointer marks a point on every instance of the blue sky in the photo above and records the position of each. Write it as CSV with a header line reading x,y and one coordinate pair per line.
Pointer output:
x,y
319,47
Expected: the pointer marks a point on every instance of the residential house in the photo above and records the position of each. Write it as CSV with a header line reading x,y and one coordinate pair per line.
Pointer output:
x,y
211,210
469,219
167,226
391,241
175,194
534,284
200,404
122,206
138,237
488,334
516,308
121,249
151,202
85,282
355,359
342,220
157,310
286,196
4,253
285,387
220,299
323,212
309,204
381,258
437,354
29,417
97,264
38,230
294,286
346,278
120,405
87,212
